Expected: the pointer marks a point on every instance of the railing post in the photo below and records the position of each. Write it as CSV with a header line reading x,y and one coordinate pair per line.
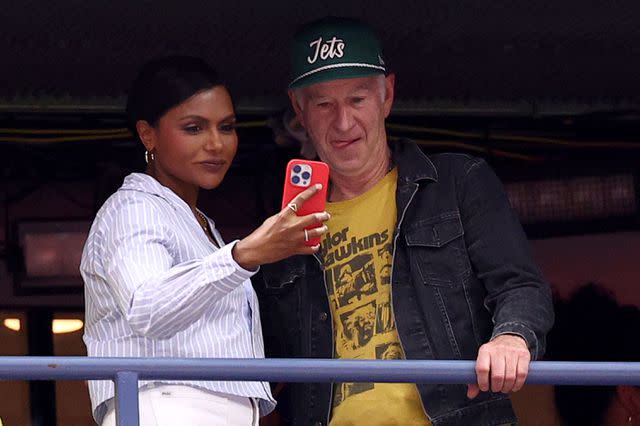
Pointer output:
x,y
127,412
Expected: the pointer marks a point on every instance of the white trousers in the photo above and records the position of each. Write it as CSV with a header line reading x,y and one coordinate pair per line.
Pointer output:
x,y
175,405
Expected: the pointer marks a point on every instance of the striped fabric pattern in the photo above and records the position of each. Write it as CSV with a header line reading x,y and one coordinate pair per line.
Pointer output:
x,y
155,286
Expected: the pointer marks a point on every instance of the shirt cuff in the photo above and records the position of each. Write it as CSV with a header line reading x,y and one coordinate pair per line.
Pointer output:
x,y
229,248
220,268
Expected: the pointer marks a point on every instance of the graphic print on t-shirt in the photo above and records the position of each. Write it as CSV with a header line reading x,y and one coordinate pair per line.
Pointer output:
x,y
357,272
357,256
355,279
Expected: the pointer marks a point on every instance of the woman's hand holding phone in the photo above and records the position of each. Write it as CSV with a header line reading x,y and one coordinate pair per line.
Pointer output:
x,y
284,234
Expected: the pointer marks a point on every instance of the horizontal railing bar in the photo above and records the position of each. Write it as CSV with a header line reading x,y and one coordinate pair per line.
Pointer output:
x,y
306,370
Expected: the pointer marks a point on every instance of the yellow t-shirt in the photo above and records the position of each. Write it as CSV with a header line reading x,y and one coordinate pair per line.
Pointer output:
x,y
357,254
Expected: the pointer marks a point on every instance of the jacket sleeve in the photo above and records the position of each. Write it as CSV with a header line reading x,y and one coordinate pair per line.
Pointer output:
x,y
517,295
158,296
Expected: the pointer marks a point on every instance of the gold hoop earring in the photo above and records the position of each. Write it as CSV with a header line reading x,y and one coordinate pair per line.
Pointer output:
x,y
148,155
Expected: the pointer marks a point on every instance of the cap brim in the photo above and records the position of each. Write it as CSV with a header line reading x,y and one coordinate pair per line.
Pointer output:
x,y
335,74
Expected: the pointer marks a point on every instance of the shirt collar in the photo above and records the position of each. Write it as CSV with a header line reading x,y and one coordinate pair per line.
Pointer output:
x,y
142,182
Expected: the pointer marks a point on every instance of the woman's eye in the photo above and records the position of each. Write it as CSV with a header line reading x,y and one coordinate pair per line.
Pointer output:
x,y
228,127
193,129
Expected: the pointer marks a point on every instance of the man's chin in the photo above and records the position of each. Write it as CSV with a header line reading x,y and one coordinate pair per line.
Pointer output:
x,y
346,166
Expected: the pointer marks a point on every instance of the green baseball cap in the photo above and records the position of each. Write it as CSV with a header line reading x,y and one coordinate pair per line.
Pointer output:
x,y
333,48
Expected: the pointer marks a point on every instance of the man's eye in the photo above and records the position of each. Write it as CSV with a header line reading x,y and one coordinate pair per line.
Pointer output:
x,y
358,100
323,105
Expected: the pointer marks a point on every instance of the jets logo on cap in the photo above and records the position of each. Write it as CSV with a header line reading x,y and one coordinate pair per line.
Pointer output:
x,y
329,49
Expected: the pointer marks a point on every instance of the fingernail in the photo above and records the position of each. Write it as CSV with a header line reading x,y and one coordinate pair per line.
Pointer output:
x,y
319,186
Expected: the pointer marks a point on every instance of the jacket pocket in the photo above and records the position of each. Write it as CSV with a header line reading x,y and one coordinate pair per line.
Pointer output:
x,y
437,250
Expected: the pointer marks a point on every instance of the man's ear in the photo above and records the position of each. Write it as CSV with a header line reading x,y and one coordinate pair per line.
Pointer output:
x,y
389,92
629,397
297,108
147,134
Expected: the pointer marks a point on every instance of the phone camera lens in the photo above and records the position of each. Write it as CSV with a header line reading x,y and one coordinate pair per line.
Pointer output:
x,y
297,168
295,179
306,175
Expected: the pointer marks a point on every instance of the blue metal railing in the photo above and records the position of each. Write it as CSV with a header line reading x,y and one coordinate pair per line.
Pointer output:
x,y
126,372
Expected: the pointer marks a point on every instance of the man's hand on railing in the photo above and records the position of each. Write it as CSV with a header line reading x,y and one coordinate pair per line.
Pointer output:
x,y
502,365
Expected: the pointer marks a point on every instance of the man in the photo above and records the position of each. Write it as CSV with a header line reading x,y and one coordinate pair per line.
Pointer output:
x,y
462,283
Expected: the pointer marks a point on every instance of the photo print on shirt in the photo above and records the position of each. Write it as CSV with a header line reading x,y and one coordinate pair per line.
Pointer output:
x,y
385,253
358,325
390,350
354,279
384,317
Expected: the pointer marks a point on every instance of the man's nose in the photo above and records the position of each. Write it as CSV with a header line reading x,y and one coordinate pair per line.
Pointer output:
x,y
344,118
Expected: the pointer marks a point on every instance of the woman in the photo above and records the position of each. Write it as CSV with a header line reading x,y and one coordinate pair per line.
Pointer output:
x,y
159,280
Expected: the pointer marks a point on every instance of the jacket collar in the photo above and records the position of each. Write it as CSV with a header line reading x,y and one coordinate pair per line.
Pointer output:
x,y
413,164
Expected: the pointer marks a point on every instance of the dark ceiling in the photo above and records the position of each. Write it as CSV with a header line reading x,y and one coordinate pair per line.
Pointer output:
x,y
487,57
546,90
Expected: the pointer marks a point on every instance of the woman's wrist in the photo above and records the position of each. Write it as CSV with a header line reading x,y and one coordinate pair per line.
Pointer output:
x,y
243,256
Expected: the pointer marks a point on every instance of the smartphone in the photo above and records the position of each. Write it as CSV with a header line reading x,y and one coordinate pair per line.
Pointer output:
x,y
300,175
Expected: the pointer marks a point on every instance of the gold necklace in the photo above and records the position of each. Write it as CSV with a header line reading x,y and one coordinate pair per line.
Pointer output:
x,y
204,223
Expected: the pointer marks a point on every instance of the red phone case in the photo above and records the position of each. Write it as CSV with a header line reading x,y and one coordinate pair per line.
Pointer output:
x,y
297,180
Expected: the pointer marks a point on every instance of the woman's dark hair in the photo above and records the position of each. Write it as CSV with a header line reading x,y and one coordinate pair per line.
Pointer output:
x,y
165,82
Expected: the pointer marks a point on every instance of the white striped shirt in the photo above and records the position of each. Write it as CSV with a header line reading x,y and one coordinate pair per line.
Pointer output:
x,y
155,286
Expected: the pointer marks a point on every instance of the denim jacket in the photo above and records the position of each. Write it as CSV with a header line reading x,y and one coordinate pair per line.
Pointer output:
x,y
462,273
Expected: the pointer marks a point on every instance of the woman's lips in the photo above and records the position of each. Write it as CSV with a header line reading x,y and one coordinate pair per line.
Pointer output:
x,y
213,165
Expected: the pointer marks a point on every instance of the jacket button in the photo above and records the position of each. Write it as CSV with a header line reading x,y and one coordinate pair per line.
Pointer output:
x,y
323,316
318,423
